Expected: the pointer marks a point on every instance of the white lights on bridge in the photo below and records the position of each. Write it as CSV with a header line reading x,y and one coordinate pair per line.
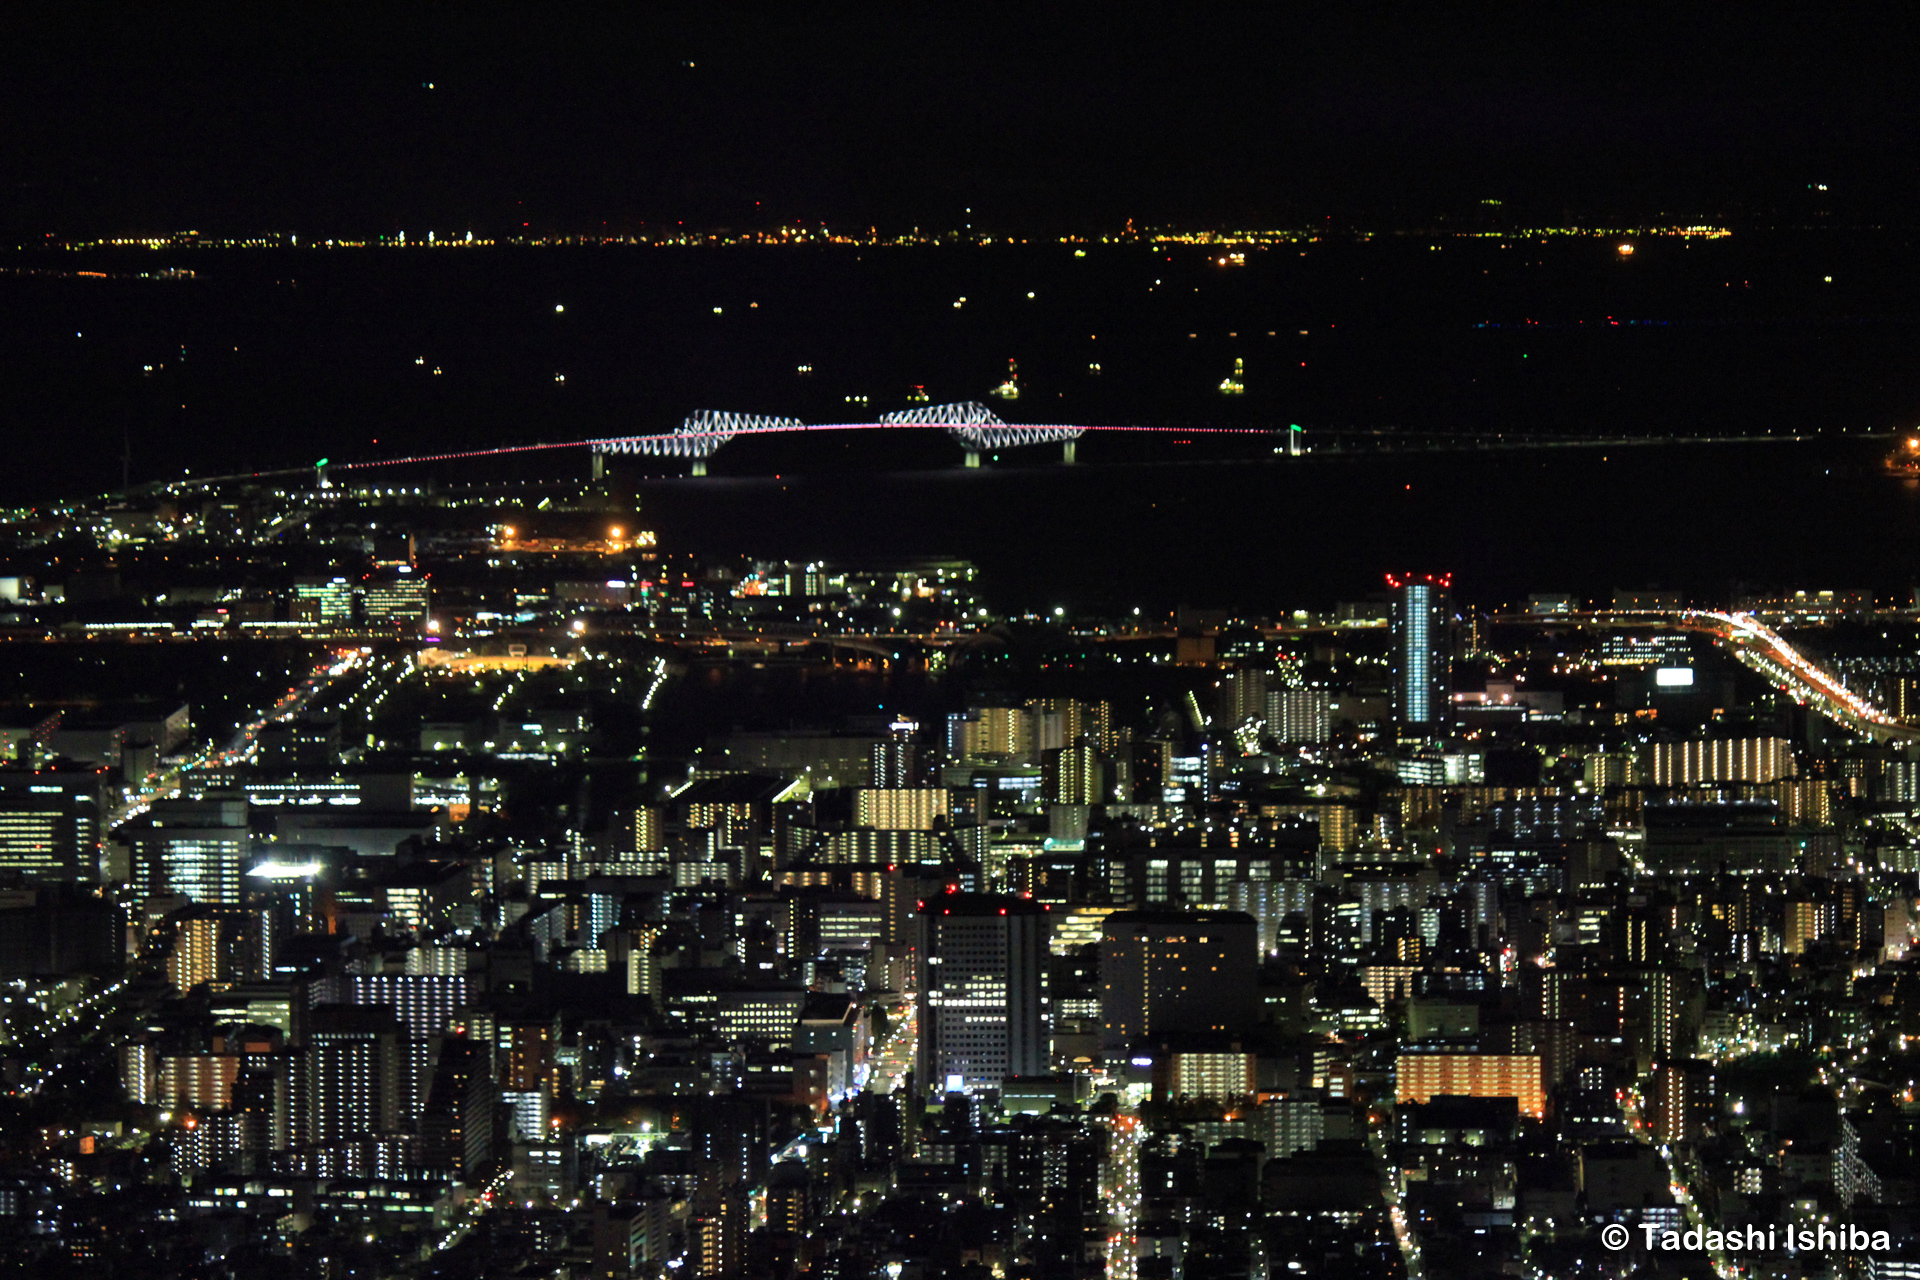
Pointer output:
x,y
972,424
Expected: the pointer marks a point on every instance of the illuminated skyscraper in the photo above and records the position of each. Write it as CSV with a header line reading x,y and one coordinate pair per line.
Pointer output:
x,y
983,1000
1422,655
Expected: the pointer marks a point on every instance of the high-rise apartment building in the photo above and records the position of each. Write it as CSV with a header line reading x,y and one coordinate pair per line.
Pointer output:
x,y
1074,775
456,1124
1176,973
425,1003
1680,1099
1222,1077
1066,722
356,1071
990,735
1424,1076
1804,922
896,757
211,948
1243,697
1679,764
1300,715
899,808
983,1008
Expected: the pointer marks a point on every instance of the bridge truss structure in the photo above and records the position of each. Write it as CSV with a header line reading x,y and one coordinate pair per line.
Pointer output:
x,y
699,436
974,426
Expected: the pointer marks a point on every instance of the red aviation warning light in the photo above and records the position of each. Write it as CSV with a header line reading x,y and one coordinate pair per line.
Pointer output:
x,y
1442,580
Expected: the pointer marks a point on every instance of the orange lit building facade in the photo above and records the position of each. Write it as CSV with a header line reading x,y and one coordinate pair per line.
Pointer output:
x,y
1425,1076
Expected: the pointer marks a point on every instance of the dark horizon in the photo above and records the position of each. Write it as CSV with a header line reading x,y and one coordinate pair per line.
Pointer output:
x,y
226,119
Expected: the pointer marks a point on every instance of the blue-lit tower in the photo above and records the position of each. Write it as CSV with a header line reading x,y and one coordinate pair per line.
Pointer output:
x,y
1422,651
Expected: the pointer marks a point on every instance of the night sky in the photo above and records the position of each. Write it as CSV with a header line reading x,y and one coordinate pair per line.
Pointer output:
x,y
319,119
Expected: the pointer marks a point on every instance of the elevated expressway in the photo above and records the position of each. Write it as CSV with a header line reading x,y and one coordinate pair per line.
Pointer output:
x,y
1760,647
1754,644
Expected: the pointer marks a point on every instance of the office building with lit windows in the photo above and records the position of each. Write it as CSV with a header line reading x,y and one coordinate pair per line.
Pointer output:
x,y
983,1008
50,822
194,848
403,602
323,600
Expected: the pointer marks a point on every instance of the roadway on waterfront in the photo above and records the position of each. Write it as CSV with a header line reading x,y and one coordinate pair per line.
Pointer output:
x,y
242,745
1759,647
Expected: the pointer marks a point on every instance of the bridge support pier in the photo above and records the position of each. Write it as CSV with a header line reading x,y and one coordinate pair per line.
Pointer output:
x,y
699,466
599,466
973,458
1068,452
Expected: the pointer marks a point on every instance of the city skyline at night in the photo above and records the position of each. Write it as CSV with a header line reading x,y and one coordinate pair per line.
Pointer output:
x,y
1161,643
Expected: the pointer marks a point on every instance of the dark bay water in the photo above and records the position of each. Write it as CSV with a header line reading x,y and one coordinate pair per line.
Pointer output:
x,y
276,358
1268,535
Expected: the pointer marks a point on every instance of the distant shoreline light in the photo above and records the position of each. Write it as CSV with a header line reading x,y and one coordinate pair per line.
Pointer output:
x,y
873,238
